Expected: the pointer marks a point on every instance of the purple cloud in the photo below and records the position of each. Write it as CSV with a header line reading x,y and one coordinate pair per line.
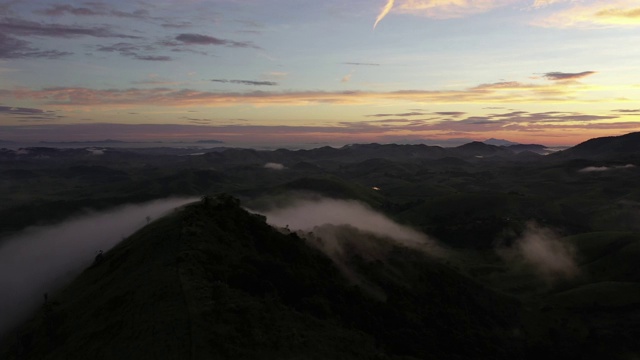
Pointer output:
x,y
560,76
12,48
94,9
133,51
247,82
32,28
198,39
28,114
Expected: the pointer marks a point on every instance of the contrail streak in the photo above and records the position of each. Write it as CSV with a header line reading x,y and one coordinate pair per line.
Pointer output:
x,y
384,12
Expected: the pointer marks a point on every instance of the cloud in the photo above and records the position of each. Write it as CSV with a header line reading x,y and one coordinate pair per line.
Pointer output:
x,y
401,114
59,10
247,82
96,9
448,9
346,78
274,166
561,132
153,57
28,114
542,250
360,64
341,228
614,13
516,121
177,25
543,3
628,111
307,213
40,260
385,10
12,48
451,113
595,14
198,39
589,169
560,76
156,80
513,92
20,27
133,51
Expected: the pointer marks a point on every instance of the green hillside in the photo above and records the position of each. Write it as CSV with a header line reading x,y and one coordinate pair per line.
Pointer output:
x,y
214,281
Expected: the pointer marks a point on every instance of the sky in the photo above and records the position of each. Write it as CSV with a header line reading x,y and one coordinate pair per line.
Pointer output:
x,y
553,72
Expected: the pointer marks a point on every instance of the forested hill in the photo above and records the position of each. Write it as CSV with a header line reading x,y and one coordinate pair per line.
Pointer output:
x,y
213,281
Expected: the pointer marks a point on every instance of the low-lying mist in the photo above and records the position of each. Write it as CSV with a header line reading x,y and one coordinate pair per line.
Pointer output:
x,y
41,259
542,250
307,214
589,169
342,228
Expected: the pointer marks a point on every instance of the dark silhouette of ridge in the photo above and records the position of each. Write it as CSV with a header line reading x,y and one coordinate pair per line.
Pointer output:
x,y
610,147
214,281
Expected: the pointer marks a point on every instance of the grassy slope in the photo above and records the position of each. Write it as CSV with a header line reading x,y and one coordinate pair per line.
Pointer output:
x,y
154,297
213,281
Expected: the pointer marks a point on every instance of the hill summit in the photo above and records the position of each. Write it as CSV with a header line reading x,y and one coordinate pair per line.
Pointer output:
x,y
215,281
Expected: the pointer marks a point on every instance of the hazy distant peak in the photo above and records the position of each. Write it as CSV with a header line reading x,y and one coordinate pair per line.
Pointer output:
x,y
499,142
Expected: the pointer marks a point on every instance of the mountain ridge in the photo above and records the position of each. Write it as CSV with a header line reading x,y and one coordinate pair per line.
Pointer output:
x,y
213,280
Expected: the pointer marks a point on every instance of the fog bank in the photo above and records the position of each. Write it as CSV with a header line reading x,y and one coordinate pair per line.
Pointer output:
x,y
544,251
305,215
41,259
342,228
605,168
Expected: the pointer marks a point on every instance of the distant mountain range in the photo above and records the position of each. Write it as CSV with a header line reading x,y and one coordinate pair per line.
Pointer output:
x,y
605,148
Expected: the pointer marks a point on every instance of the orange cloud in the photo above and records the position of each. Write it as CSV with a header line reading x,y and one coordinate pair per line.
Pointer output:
x,y
599,14
502,92
447,9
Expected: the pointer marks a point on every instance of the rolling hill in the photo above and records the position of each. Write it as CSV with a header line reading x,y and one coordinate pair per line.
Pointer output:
x,y
214,281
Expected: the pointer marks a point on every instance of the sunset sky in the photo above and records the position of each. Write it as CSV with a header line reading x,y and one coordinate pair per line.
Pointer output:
x,y
554,72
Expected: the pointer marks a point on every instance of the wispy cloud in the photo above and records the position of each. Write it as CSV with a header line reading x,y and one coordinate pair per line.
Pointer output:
x,y
571,14
447,9
232,130
562,76
628,111
247,82
13,48
93,9
597,14
415,113
385,10
360,64
501,92
199,39
516,121
590,169
543,3
19,27
545,252
133,51
28,114
59,10
451,113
